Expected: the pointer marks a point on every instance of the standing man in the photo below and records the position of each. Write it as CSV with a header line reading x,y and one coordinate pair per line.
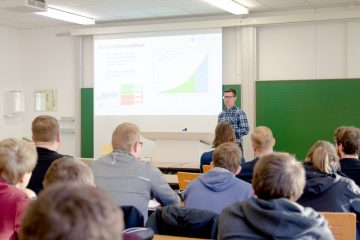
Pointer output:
x,y
235,116
46,136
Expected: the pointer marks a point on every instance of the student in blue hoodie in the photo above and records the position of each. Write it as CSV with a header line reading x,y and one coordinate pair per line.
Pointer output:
x,y
219,187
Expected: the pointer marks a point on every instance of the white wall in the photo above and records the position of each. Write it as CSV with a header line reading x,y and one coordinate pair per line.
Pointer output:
x,y
9,78
322,50
50,60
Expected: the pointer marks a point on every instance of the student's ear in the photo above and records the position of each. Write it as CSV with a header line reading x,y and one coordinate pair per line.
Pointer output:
x,y
238,170
24,180
58,137
253,147
273,142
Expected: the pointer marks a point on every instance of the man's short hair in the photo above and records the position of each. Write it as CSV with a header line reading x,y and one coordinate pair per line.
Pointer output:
x,y
71,211
17,157
67,169
323,156
227,156
349,138
278,175
125,136
233,91
262,137
223,133
45,128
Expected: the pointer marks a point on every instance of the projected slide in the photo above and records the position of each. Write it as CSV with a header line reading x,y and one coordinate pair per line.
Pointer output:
x,y
170,74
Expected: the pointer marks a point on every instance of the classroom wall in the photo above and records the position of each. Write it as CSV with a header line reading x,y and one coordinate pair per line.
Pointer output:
x,y
50,60
321,50
309,76
9,78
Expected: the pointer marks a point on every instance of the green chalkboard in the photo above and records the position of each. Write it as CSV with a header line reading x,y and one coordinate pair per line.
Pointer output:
x,y
302,112
87,122
237,87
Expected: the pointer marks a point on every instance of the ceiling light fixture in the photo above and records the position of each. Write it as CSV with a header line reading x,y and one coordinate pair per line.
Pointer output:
x,y
67,16
230,6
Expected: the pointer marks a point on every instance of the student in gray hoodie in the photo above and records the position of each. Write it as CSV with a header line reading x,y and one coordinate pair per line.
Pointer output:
x,y
219,187
278,182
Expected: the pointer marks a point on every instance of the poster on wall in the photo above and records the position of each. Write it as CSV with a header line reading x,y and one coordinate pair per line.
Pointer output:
x,y
46,100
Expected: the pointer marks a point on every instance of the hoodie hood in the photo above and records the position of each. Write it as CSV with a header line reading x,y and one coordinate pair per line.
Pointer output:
x,y
218,179
318,182
282,219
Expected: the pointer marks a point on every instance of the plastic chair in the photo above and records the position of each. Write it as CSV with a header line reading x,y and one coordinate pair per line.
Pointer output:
x,y
342,225
206,168
106,149
185,178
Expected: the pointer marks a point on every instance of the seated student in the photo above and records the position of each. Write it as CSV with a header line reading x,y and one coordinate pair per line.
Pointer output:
x,y
46,136
67,169
219,187
17,160
262,142
129,180
223,133
71,211
347,143
325,190
278,181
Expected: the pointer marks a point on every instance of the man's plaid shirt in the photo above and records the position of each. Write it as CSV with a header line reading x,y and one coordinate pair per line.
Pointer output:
x,y
237,118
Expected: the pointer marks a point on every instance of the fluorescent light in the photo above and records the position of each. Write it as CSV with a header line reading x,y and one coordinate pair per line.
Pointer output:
x,y
230,6
66,16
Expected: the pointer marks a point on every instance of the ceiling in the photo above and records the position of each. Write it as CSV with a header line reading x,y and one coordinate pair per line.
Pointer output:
x,y
108,11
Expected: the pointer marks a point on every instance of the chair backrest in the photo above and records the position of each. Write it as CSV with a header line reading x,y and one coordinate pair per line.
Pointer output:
x,y
132,217
185,178
342,225
206,168
106,149
185,222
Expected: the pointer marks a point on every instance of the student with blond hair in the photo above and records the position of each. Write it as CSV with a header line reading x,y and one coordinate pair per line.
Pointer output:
x,y
46,136
219,187
325,189
17,160
70,211
67,169
278,182
263,141
129,180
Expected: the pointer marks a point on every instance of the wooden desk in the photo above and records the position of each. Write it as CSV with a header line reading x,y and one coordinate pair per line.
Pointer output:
x,y
87,161
167,237
171,178
174,167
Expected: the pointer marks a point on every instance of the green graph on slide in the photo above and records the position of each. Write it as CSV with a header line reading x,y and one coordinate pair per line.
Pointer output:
x,y
197,82
187,87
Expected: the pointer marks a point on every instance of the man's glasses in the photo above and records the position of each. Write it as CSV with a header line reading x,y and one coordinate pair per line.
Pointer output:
x,y
228,97
141,143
